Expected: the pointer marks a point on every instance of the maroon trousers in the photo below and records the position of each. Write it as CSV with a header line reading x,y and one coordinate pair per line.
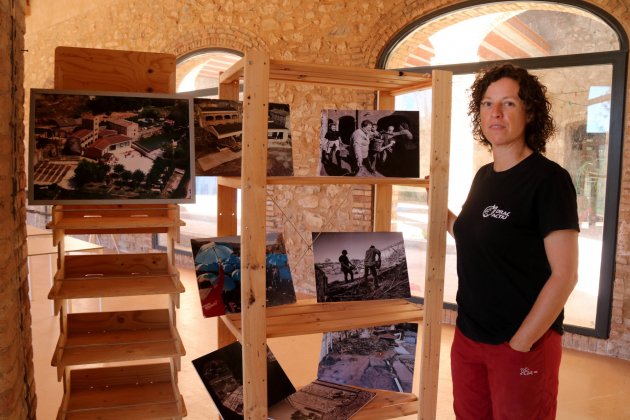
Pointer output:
x,y
495,382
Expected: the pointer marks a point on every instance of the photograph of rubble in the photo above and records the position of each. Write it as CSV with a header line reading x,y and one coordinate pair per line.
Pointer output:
x,y
114,148
221,372
360,266
377,358
322,401
370,143
218,131
218,269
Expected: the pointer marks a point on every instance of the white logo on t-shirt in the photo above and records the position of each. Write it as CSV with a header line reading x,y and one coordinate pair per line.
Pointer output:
x,y
494,212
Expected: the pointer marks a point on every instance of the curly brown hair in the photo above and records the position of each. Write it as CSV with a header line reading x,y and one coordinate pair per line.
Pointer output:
x,y
540,125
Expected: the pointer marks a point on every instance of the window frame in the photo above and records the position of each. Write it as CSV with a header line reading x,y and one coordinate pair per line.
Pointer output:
x,y
618,60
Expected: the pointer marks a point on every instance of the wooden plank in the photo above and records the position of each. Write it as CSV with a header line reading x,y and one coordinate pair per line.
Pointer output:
x,y
310,318
226,210
348,77
112,70
331,75
436,243
385,100
229,90
138,392
388,405
168,211
235,182
253,224
382,215
110,224
105,265
234,73
112,275
132,218
74,288
227,202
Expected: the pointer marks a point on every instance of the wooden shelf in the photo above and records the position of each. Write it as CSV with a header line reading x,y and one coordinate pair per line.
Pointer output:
x,y
134,392
235,182
113,275
310,317
104,337
131,218
388,405
330,75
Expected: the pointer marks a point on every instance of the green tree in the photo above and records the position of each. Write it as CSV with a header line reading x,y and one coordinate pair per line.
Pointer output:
x,y
137,176
86,172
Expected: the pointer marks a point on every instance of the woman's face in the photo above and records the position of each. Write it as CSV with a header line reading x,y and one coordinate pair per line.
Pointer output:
x,y
503,115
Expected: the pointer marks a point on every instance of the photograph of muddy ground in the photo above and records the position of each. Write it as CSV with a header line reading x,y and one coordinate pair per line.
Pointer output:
x,y
222,374
111,148
218,132
360,266
378,358
323,401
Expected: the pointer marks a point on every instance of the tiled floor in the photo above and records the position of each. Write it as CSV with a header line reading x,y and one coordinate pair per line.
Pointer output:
x,y
592,387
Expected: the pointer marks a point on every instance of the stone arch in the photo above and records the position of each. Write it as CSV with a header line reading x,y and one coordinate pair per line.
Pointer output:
x,y
237,39
400,17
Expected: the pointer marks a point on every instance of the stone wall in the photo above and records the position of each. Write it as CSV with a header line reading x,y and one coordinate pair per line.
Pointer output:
x,y
17,388
353,32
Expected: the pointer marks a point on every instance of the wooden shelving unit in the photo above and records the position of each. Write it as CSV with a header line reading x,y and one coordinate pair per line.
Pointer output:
x,y
256,323
117,336
141,347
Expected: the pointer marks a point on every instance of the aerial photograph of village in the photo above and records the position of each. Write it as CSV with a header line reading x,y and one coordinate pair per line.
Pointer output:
x,y
115,148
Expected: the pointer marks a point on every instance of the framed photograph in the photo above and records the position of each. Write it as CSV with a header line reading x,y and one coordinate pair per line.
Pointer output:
x,y
109,148
373,143
218,138
218,269
321,400
222,374
377,358
360,266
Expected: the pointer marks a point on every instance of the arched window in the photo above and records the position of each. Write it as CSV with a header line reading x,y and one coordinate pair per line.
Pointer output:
x,y
197,73
199,70
580,54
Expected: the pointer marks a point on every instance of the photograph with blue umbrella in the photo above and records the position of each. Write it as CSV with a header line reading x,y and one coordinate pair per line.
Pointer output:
x,y
218,268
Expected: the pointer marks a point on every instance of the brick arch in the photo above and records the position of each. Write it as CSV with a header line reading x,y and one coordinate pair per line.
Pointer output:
x,y
402,15
238,39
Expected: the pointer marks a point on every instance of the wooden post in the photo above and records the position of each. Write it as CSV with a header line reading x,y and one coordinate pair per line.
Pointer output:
x,y
226,196
436,243
226,213
253,224
382,203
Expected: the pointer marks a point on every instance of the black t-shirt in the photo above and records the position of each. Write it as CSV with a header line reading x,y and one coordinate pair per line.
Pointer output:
x,y
501,261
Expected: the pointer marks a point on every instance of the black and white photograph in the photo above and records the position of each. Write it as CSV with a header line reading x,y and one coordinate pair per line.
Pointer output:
x,y
360,266
114,148
221,372
218,270
219,133
321,400
377,358
370,143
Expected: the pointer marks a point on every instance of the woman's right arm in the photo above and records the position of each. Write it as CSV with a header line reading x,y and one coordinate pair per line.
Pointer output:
x,y
450,221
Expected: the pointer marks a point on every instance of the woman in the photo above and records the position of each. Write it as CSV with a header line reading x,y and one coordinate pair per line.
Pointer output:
x,y
517,254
